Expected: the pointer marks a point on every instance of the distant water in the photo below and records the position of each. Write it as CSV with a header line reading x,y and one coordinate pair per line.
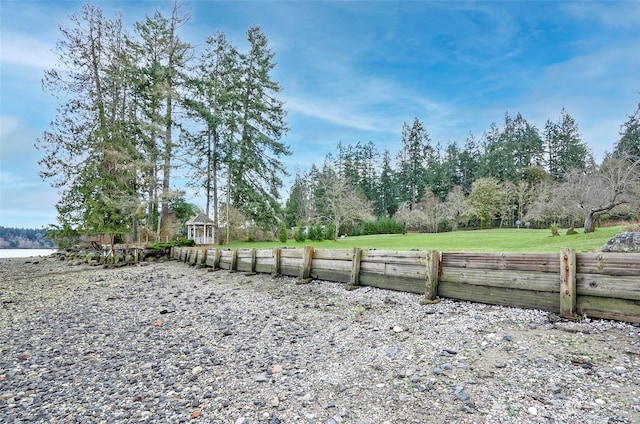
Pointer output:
x,y
25,253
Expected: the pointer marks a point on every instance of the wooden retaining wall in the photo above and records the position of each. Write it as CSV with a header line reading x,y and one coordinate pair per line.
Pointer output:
x,y
599,285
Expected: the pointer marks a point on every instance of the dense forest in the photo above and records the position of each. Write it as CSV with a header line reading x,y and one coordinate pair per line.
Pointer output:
x,y
513,175
139,105
21,238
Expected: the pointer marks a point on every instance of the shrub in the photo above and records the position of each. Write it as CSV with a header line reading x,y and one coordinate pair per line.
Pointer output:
x,y
316,232
182,242
282,234
301,234
634,227
330,232
381,226
555,229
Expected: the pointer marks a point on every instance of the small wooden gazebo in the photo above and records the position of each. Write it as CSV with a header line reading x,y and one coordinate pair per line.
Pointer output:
x,y
201,229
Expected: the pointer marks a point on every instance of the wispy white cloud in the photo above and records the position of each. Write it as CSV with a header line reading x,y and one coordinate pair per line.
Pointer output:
x,y
612,14
21,49
602,67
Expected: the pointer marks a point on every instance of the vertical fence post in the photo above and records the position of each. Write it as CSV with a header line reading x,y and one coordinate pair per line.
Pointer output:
x,y
568,283
203,260
253,259
307,258
276,261
234,260
216,258
431,282
354,281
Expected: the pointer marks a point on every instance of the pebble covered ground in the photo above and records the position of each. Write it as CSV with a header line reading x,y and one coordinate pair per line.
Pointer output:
x,y
170,343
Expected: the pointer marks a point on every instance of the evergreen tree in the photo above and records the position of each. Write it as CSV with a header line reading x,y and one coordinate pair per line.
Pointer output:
x,y
161,58
387,204
411,162
509,150
295,212
492,162
565,149
211,95
88,152
629,142
469,163
254,160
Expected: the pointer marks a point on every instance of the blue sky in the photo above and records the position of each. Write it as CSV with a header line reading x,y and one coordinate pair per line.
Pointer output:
x,y
355,71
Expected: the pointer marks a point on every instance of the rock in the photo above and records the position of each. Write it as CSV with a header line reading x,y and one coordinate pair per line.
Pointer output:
x,y
276,369
619,370
461,394
398,329
307,397
196,370
261,379
392,352
628,242
275,420
532,410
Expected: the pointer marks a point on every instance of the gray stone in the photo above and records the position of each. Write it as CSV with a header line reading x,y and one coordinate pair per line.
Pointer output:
x,y
628,242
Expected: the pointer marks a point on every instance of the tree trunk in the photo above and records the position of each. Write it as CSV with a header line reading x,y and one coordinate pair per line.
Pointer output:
x,y
166,169
589,222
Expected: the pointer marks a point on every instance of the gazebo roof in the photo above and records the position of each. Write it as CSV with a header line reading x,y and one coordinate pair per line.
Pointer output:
x,y
200,219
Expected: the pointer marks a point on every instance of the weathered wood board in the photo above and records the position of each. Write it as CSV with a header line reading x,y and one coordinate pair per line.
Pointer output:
x,y
516,298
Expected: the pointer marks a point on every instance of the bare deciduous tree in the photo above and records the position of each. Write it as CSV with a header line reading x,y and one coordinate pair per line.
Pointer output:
x,y
342,203
601,189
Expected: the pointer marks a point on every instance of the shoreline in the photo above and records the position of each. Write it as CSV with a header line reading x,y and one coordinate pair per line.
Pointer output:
x,y
26,253
170,342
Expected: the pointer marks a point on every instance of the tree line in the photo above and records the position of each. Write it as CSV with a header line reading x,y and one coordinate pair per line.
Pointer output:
x,y
24,238
513,175
138,105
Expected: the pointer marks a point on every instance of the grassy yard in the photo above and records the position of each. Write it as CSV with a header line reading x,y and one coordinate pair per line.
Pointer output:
x,y
494,240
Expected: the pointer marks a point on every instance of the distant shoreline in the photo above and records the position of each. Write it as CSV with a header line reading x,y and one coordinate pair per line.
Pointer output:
x,y
25,253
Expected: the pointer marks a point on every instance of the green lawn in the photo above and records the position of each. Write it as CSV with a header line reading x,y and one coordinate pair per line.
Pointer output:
x,y
494,240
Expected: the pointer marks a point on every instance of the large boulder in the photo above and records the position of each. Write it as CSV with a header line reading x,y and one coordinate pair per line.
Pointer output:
x,y
628,242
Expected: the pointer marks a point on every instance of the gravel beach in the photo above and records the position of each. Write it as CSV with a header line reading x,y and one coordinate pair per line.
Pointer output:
x,y
166,342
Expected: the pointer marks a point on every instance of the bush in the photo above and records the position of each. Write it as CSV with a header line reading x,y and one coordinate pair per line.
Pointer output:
x,y
381,226
555,230
301,234
182,242
282,234
330,232
316,232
